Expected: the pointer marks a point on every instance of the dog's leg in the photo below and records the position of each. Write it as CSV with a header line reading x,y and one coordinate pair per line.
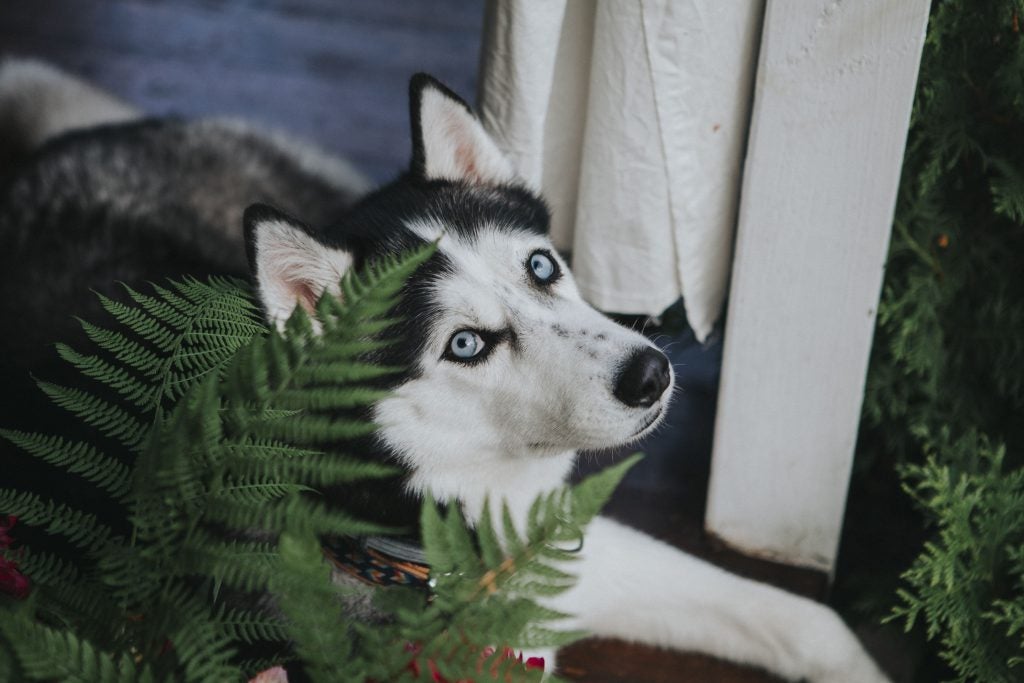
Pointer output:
x,y
634,587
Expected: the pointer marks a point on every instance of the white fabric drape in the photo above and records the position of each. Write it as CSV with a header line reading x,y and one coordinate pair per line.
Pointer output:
x,y
631,117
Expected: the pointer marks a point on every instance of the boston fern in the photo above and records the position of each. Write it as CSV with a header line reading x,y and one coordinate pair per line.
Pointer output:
x,y
218,434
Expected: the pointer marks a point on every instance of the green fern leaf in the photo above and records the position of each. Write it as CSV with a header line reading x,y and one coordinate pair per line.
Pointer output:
x,y
76,457
79,528
345,371
251,627
125,350
313,429
435,538
108,418
43,567
329,398
256,491
590,495
134,390
48,654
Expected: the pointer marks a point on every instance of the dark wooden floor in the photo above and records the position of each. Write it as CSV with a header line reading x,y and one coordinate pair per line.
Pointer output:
x,y
336,72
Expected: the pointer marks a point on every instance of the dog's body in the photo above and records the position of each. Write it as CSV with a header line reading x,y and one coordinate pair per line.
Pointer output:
x,y
511,372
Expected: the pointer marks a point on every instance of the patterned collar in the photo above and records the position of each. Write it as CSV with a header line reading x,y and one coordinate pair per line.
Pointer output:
x,y
380,561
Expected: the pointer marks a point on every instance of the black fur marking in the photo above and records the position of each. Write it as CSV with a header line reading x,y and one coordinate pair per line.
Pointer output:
x,y
560,331
514,344
263,213
459,207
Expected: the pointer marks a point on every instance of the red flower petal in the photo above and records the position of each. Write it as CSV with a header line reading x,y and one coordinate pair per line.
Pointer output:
x,y
6,525
435,675
13,582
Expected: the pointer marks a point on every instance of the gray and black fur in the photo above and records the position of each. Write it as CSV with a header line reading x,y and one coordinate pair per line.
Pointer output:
x,y
143,200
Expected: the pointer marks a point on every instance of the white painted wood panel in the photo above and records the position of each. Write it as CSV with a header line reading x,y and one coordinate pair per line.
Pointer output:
x,y
832,101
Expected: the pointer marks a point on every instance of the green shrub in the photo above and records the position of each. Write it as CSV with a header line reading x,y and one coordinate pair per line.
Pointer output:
x,y
945,391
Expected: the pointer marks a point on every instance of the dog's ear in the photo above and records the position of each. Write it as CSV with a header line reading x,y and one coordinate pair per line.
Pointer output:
x,y
290,267
448,141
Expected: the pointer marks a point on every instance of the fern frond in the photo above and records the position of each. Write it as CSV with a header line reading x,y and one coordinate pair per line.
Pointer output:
x,y
140,324
48,654
280,516
76,457
109,419
177,338
258,490
175,317
87,606
329,398
335,372
79,528
307,430
250,627
316,469
241,565
305,595
202,646
590,495
131,388
43,567
485,591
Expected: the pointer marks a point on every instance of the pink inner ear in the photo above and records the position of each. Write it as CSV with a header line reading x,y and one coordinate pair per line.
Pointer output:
x,y
465,152
466,159
305,294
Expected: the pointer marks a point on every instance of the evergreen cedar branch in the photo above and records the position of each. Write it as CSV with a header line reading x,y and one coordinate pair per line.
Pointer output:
x,y
945,390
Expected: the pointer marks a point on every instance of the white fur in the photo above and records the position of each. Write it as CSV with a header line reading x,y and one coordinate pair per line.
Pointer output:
x,y
456,146
41,102
293,269
532,403
634,587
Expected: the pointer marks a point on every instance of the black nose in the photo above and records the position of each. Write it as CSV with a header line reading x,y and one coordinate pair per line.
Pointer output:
x,y
643,378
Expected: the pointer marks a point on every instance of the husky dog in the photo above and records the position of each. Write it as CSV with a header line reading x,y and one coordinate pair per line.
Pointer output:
x,y
510,371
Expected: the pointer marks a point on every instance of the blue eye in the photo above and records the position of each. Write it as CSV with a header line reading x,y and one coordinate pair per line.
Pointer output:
x,y
543,266
466,344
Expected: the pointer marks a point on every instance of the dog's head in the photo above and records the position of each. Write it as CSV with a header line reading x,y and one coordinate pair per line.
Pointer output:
x,y
507,362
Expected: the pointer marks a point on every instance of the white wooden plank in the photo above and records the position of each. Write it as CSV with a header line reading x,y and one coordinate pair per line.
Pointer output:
x,y
832,102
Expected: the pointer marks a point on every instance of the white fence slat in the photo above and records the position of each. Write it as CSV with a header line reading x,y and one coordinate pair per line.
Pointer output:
x,y
832,100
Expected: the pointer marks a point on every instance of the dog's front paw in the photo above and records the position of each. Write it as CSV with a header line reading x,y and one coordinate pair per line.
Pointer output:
x,y
837,655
